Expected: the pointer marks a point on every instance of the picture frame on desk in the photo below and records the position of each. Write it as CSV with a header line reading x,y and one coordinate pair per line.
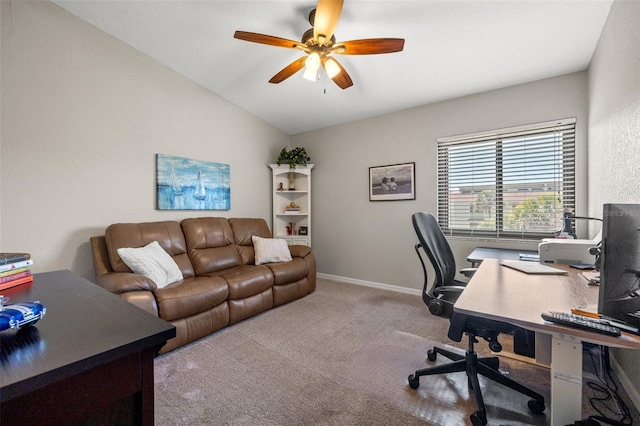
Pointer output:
x,y
394,182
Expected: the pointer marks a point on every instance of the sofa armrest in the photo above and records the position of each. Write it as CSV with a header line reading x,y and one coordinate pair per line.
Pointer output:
x,y
299,250
142,299
100,255
121,282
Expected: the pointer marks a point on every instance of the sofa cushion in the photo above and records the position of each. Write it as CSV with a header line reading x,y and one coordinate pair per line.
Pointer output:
x,y
168,234
190,297
240,309
247,280
269,250
289,272
243,231
152,262
210,244
291,291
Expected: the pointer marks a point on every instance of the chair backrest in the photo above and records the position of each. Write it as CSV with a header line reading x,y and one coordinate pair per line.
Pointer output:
x,y
440,295
436,247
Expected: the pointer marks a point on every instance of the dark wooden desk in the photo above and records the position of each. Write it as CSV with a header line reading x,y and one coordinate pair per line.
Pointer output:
x,y
89,360
481,253
504,294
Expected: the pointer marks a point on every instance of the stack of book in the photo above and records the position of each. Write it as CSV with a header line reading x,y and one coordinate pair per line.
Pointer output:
x,y
292,208
15,269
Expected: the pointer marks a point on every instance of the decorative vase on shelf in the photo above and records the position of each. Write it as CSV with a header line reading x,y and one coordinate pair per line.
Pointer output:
x,y
292,181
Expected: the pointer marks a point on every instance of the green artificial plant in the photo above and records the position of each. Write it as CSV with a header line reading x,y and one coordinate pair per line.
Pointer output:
x,y
294,157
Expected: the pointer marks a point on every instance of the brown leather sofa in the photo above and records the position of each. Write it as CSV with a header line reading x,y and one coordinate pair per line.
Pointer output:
x,y
221,285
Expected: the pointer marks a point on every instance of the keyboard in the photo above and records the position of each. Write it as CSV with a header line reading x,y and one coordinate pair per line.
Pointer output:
x,y
594,325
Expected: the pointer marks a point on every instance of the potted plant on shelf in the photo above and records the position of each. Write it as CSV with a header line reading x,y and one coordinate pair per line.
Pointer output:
x,y
295,157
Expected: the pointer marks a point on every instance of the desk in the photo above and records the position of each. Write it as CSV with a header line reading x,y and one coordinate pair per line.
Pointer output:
x,y
481,253
89,360
504,294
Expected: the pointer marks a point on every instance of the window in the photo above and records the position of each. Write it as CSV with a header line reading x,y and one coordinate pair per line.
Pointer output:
x,y
511,183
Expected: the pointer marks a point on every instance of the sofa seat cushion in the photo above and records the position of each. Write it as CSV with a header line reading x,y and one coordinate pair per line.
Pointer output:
x,y
248,280
289,272
190,297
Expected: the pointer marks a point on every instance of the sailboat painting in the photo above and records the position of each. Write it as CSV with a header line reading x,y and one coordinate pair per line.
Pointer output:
x,y
187,184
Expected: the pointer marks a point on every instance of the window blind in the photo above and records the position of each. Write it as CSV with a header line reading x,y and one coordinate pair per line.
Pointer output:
x,y
514,183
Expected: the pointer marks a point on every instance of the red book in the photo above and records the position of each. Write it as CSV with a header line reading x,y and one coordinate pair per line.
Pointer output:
x,y
13,277
14,283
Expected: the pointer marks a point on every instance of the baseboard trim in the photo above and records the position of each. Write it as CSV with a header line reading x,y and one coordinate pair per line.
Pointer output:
x,y
371,284
628,386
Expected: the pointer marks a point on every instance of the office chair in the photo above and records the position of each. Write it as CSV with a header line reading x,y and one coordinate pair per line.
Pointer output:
x,y
439,297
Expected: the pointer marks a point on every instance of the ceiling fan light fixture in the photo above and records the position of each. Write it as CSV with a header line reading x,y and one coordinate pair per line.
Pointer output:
x,y
311,66
310,74
331,67
313,61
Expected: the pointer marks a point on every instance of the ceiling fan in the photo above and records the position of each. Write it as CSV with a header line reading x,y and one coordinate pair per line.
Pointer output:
x,y
319,43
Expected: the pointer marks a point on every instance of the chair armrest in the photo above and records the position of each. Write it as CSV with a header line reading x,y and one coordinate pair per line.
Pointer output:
x,y
457,326
448,289
120,282
468,272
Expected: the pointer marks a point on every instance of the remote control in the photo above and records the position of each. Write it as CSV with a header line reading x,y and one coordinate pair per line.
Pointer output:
x,y
578,321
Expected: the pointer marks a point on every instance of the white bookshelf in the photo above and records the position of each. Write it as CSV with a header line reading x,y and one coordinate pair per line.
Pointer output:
x,y
300,195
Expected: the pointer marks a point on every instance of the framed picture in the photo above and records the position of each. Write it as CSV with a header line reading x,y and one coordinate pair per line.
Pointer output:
x,y
303,230
186,184
392,183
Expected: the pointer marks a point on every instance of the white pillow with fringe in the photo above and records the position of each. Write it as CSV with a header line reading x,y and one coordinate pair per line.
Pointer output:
x,y
152,262
270,250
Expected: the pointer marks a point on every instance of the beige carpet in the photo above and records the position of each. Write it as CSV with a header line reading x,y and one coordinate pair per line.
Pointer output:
x,y
340,356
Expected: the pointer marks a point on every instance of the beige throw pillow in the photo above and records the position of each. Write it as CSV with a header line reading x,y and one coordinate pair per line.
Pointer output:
x,y
269,250
152,262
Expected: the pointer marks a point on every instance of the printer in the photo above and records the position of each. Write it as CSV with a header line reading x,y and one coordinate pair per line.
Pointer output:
x,y
567,251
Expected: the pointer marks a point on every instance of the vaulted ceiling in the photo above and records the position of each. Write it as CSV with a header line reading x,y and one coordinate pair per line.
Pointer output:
x,y
452,48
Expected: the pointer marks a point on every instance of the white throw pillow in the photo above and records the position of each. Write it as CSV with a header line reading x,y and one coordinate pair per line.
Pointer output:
x,y
152,262
269,250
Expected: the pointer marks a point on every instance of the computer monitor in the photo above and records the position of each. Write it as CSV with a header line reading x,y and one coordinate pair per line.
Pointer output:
x,y
619,295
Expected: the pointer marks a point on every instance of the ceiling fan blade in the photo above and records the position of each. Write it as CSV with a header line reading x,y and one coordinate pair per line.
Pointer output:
x,y
289,70
369,46
267,39
342,79
326,19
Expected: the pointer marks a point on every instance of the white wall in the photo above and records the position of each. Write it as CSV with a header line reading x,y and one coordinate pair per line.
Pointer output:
x,y
373,241
614,110
83,116
614,134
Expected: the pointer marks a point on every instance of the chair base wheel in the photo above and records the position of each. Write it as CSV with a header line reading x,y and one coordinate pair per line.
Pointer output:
x,y
479,418
495,346
536,407
414,382
431,355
